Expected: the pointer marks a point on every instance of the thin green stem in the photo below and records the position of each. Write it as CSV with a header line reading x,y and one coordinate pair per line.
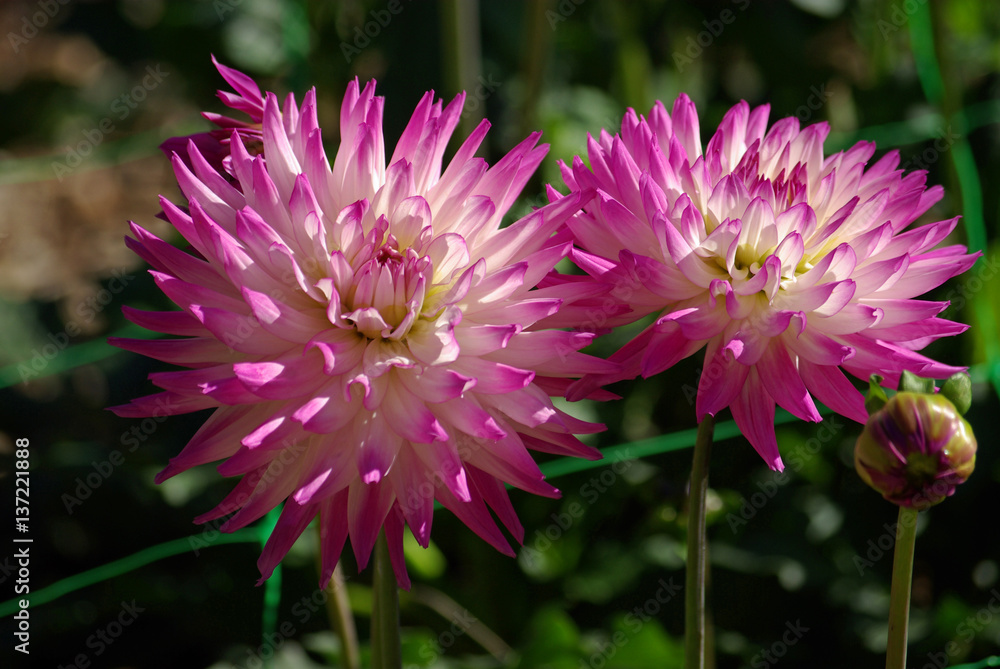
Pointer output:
x,y
338,608
535,56
463,57
146,556
697,550
450,610
386,653
902,578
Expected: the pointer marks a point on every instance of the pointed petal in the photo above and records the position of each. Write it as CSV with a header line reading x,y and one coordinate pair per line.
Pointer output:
x,y
753,411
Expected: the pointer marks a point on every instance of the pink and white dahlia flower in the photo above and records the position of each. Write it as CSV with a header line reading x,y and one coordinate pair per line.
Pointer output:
x,y
784,265
368,337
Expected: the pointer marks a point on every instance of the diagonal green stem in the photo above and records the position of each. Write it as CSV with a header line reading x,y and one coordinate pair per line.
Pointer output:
x,y
110,570
339,603
338,609
697,550
902,578
386,653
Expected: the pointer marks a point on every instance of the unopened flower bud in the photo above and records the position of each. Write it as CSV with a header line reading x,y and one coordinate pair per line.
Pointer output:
x,y
916,450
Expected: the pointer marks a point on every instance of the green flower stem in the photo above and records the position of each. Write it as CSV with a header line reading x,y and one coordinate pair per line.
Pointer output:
x,y
902,578
386,652
697,550
463,56
338,609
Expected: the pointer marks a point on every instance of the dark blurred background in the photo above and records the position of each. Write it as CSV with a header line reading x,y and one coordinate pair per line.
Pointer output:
x,y
801,563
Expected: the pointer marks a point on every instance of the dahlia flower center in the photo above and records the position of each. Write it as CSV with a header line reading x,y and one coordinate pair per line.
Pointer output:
x,y
749,259
388,255
762,239
757,248
388,292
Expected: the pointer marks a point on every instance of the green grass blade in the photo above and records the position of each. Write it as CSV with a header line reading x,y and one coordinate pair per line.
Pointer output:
x,y
674,441
72,357
110,570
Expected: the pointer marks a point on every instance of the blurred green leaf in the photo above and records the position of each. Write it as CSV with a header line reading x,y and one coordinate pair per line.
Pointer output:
x,y
427,563
553,643
644,643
